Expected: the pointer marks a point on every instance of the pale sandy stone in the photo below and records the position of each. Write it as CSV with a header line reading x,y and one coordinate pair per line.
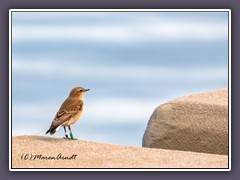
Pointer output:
x,y
196,123
102,155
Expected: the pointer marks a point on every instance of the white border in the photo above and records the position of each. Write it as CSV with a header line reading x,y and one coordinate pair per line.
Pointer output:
x,y
10,89
229,87
122,10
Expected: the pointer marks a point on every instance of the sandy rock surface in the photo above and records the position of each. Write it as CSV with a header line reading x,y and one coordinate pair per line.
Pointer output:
x,y
84,154
196,123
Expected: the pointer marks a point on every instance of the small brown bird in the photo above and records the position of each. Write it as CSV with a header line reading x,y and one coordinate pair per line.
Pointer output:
x,y
69,112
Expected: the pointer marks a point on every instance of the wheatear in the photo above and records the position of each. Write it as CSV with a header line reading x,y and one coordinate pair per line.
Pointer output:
x,y
69,112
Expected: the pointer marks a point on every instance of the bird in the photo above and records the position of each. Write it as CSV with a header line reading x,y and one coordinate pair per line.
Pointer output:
x,y
69,112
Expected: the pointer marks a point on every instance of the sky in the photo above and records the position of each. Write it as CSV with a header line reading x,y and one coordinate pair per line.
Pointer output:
x,y
132,62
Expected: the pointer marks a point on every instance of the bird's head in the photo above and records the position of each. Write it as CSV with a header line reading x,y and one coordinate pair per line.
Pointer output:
x,y
78,92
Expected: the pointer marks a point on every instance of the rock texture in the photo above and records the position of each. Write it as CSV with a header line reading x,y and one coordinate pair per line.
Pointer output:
x,y
101,155
196,123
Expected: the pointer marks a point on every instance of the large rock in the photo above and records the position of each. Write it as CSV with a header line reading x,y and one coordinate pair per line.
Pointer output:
x,y
84,154
193,123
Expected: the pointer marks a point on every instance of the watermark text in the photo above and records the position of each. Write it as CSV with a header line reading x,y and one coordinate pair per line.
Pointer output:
x,y
30,156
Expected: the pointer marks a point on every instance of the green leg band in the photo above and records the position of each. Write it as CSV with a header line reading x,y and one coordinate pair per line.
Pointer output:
x,y
71,135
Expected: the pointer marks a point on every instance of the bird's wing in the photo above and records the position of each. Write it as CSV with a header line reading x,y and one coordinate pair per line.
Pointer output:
x,y
68,110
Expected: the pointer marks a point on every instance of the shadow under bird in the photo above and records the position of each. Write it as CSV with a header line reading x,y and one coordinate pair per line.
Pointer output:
x,y
70,111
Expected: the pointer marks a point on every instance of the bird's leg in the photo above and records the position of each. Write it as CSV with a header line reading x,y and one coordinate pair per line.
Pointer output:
x,y
66,134
71,135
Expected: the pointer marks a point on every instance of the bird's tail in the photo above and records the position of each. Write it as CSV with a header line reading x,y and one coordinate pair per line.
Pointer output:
x,y
56,124
52,130
48,131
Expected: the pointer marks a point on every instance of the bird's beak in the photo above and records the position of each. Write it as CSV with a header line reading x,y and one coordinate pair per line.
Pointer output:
x,y
87,89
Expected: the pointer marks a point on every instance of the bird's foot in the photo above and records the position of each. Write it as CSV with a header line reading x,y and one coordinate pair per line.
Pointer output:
x,y
73,139
70,138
